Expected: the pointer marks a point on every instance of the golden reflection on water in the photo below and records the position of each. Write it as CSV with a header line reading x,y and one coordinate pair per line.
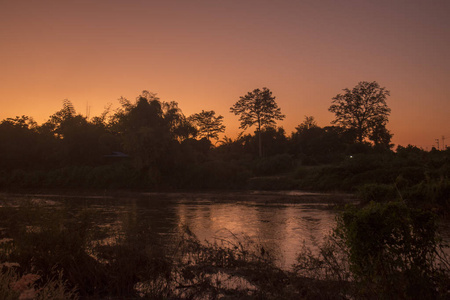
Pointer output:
x,y
281,229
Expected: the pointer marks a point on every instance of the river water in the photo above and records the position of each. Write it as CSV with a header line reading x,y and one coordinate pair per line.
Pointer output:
x,y
280,222
282,228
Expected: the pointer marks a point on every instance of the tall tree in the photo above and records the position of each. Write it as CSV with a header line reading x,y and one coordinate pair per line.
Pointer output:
x,y
208,124
257,108
362,109
145,133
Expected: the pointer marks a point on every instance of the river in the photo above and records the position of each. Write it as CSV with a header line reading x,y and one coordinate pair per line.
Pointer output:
x,y
280,222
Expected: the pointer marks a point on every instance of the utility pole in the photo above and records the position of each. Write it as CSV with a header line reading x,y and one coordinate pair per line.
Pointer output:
x,y
443,143
437,143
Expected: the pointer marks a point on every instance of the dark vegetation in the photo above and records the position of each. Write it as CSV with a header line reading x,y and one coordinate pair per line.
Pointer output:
x,y
390,247
151,144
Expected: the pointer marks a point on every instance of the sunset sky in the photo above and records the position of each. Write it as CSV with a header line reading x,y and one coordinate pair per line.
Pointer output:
x,y
205,54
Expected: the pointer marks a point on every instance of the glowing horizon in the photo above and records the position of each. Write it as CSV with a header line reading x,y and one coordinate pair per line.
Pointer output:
x,y
205,55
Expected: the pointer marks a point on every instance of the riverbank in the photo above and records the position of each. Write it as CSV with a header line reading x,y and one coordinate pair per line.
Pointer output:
x,y
268,197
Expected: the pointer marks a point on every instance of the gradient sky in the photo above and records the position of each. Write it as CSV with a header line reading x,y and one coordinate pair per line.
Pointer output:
x,y
205,54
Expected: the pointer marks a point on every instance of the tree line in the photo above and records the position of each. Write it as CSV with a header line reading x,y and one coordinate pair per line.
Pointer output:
x,y
151,143
145,129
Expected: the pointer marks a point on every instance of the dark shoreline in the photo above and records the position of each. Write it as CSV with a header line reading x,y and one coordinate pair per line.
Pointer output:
x,y
267,197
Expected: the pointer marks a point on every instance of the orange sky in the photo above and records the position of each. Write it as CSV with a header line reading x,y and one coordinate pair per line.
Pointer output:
x,y
205,54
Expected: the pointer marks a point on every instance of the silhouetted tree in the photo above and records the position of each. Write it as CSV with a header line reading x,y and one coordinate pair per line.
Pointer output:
x,y
238,149
208,125
23,122
362,109
81,141
56,121
314,144
180,126
304,139
308,123
18,140
257,108
381,137
185,130
145,133
275,141
76,140
101,120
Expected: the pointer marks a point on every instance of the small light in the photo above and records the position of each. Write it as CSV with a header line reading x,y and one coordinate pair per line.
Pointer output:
x,y
351,156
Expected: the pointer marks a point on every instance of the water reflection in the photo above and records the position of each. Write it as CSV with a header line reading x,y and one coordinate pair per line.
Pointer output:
x,y
281,228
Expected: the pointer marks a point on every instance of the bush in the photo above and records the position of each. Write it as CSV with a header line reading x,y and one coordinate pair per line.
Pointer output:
x,y
437,193
392,251
412,175
274,164
376,192
383,251
332,178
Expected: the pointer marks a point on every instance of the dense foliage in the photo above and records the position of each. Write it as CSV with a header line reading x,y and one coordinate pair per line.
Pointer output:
x,y
381,251
151,144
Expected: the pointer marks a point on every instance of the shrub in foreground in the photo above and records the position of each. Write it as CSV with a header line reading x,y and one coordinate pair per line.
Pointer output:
x,y
376,192
383,251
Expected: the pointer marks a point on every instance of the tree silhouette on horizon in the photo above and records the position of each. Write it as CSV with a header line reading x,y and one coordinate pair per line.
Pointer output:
x,y
208,124
257,108
363,110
